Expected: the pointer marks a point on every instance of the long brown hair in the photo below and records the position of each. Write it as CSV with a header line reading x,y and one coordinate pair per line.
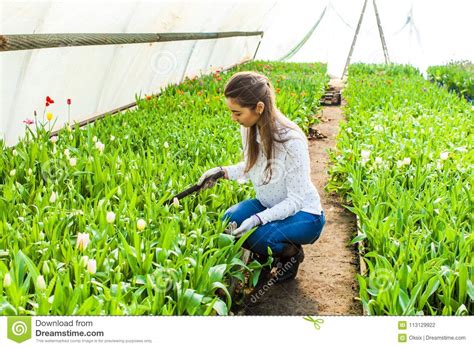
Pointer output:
x,y
247,88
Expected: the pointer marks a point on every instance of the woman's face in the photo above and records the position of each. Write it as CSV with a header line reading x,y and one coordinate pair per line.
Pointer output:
x,y
243,115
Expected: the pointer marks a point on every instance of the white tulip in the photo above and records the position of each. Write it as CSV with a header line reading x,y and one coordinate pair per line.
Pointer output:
x,y
141,224
53,197
444,156
365,154
176,202
82,241
99,146
40,283
73,161
7,280
92,266
110,217
84,260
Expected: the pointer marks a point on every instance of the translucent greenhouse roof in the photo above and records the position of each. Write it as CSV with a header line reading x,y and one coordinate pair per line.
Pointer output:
x,y
101,78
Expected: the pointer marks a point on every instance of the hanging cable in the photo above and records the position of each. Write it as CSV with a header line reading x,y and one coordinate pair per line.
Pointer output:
x,y
340,16
295,49
408,20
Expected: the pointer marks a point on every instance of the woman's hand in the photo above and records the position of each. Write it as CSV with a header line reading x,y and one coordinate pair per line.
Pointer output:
x,y
246,226
211,182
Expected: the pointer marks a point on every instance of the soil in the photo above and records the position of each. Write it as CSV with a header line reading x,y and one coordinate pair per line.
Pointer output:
x,y
326,283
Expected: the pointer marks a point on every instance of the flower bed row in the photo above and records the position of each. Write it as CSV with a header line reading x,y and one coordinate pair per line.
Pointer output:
x,y
84,228
404,160
456,76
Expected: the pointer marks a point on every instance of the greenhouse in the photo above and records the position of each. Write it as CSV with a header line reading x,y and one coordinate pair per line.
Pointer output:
x,y
236,158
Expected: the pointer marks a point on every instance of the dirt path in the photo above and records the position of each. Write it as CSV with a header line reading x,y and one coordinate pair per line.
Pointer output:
x,y
326,283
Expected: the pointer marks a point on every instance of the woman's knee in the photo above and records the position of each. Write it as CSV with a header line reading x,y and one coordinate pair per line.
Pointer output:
x,y
243,210
320,222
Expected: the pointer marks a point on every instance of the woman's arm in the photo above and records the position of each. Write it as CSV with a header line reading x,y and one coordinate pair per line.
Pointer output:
x,y
297,181
235,171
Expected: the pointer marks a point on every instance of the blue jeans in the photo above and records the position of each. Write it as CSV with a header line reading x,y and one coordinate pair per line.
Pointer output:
x,y
301,228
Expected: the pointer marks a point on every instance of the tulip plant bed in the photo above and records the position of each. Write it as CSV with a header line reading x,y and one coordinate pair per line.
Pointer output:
x,y
84,228
404,160
456,76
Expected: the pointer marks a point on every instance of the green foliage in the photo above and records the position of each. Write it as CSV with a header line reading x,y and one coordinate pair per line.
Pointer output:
x,y
175,261
404,161
455,76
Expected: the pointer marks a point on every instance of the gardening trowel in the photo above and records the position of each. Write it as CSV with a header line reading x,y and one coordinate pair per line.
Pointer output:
x,y
195,188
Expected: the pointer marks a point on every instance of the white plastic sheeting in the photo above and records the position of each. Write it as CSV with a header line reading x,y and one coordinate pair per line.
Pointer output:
x,y
101,78
417,32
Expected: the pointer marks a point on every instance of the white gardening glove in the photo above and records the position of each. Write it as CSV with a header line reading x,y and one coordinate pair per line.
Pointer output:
x,y
246,226
207,174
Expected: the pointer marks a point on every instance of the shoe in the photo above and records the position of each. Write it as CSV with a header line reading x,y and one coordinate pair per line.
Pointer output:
x,y
287,266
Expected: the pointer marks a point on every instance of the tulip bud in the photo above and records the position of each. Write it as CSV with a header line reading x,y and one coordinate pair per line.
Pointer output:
x,y
45,267
110,217
40,283
7,280
84,260
92,266
53,197
141,224
82,241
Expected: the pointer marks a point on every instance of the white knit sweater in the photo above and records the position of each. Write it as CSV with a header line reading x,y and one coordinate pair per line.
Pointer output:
x,y
290,189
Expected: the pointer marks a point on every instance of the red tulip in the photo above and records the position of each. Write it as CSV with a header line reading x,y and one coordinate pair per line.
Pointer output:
x,y
49,100
68,101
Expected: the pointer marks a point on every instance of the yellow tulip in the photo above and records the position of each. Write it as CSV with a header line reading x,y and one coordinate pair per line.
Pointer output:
x,y
49,116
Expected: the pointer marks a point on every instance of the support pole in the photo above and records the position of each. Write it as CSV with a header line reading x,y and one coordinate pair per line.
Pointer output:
x,y
348,60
